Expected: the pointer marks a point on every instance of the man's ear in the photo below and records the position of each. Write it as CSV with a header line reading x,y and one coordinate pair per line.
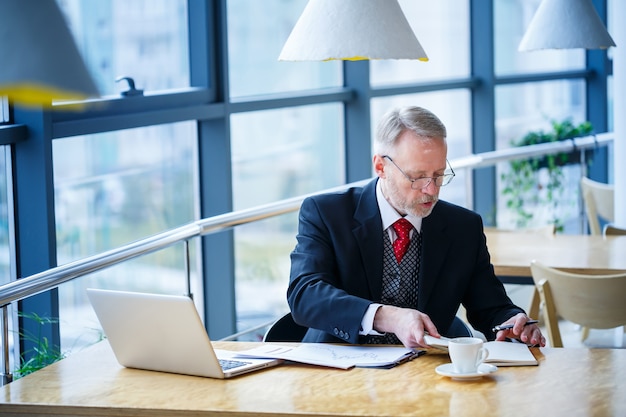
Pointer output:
x,y
379,165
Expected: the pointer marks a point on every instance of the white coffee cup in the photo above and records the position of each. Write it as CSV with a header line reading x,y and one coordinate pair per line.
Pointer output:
x,y
467,353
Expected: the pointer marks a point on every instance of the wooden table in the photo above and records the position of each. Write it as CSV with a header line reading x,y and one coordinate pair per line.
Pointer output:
x,y
512,252
567,382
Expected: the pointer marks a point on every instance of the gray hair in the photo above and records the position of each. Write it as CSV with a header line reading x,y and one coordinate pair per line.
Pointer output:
x,y
417,119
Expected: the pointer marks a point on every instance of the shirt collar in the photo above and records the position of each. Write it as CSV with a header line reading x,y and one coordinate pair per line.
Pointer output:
x,y
389,215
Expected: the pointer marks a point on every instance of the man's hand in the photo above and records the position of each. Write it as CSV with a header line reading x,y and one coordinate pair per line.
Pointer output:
x,y
529,334
407,324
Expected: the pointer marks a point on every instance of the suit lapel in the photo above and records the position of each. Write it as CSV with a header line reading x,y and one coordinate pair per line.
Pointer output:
x,y
435,244
368,234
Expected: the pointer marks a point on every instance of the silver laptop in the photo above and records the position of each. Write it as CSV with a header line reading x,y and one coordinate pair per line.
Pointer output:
x,y
164,333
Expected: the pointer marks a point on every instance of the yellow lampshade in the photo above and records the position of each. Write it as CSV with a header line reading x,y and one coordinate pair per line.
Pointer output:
x,y
40,61
566,24
352,30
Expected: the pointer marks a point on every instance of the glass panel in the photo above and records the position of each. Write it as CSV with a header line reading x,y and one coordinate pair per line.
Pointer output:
x,y
442,28
6,257
532,107
611,128
7,248
453,108
257,31
277,154
115,188
612,21
296,151
5,116
142,39
511,18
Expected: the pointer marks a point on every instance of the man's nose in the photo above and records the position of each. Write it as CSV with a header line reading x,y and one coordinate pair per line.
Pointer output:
x,y
431,188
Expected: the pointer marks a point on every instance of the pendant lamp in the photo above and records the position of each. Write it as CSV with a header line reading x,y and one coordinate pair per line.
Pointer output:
x,y
566,24
40,61
352,30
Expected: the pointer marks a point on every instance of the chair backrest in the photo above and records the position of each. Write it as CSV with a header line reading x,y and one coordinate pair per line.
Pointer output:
x,y
458,328
612,230
593,301
285,329
598,198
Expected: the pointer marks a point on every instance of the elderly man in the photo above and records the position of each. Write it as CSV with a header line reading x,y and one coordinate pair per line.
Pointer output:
x,y
389,262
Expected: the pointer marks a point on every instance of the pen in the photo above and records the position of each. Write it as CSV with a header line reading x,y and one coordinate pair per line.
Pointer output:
x,y
510,326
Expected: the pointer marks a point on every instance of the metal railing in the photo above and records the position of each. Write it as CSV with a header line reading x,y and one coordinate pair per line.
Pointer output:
x,y
52,278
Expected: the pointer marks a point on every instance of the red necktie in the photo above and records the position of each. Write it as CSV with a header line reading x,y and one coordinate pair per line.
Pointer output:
x,y
401,244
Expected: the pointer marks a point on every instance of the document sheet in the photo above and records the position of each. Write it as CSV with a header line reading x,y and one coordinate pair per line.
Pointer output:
x,y
336,356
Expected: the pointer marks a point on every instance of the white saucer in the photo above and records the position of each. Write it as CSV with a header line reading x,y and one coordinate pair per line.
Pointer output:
x,y
448,370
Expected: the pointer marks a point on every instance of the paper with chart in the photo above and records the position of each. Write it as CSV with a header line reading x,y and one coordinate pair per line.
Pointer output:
x,y
333,355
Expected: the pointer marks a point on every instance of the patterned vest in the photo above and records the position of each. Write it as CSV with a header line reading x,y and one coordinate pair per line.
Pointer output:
x,y
400,281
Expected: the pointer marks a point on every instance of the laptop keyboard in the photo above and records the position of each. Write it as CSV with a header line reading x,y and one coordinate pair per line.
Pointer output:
x,y
227,364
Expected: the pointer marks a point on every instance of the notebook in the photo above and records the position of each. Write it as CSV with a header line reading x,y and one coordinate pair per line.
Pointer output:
x,y
500,353
164,333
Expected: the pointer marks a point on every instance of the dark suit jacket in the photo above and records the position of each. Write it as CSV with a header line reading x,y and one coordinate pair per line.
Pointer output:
x,y
336,267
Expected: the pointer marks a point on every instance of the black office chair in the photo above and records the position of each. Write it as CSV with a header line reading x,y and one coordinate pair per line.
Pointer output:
x,y
458,328
286,330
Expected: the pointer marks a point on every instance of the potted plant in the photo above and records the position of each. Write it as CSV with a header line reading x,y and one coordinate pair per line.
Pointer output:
x,y
538,182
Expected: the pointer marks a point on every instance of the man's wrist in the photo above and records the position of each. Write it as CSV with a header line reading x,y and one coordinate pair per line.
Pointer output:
x,y
386,318
367,323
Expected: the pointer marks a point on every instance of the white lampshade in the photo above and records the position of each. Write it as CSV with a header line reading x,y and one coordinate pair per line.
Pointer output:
x,y
566,24
40,61
352,30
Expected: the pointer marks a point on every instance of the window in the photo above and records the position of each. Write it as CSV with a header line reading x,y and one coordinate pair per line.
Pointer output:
x,y
442,28
277,154
522,108
274,129
112,189
257,31
5,231
511,18
453,108
284,153
142,39
116,187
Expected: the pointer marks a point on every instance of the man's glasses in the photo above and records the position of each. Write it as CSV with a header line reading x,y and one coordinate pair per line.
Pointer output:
x,y
421,183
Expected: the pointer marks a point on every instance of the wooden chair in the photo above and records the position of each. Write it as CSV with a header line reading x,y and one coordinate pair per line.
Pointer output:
x,y
598,198
612,230
591,301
